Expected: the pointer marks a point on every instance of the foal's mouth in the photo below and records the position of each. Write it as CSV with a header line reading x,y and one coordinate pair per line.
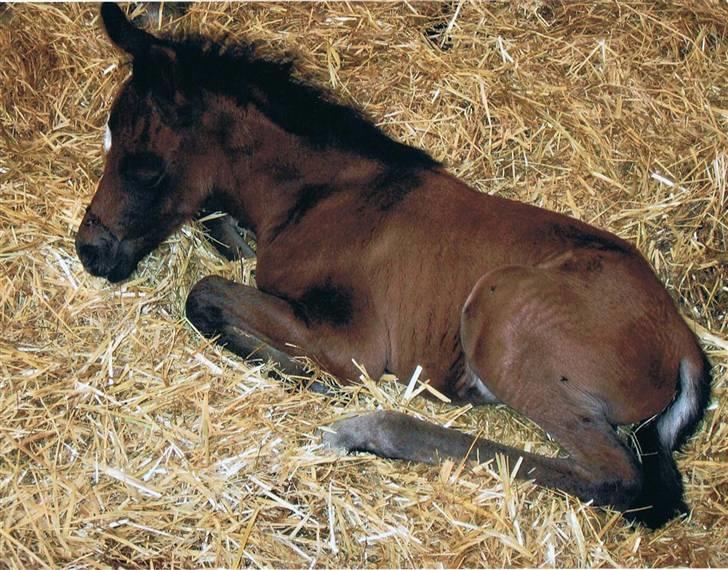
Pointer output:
x,y
121,270
113,271
107,257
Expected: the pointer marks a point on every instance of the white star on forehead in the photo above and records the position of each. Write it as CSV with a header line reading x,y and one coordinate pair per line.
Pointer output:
x,y
107,139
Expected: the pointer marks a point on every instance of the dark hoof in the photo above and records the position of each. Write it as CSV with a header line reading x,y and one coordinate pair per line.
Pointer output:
x,y
659,514
227,237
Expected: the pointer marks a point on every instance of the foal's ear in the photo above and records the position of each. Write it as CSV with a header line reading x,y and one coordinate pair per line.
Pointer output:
x,y
123,33
162,74
155,64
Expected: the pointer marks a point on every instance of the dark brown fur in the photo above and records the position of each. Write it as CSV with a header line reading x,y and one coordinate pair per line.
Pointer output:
x,y
369,250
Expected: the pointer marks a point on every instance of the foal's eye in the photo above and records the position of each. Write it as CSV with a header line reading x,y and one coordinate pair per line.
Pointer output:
x,y
143,169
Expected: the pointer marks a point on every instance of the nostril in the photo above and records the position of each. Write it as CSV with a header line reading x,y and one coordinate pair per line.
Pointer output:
x,y
90,220
96,246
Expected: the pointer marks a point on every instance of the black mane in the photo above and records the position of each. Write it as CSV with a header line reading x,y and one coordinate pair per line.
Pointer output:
x,y
291,103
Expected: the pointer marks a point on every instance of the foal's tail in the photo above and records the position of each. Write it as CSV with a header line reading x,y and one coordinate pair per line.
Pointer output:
x,y
679,421
662,489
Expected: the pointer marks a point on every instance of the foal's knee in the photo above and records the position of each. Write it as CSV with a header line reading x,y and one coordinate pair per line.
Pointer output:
x,y
204,307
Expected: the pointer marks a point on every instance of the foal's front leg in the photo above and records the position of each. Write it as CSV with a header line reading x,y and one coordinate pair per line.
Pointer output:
x,y
224,233
256,325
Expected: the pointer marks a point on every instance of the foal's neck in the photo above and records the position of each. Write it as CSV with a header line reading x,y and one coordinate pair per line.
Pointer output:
x,y
263,169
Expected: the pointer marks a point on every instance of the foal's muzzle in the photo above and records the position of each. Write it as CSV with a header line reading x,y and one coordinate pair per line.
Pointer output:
x,y
97,247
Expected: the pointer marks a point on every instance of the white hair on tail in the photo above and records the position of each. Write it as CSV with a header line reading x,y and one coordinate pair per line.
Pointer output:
x,y
683,410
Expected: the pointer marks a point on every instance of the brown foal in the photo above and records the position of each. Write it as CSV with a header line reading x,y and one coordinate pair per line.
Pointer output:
x,y
369,250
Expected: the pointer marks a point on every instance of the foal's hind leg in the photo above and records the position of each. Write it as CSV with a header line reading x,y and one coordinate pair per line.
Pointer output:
x,y
558,347
601,469
254,324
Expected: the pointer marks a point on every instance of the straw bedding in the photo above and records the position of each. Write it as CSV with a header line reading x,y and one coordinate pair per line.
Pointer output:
x,y
127,440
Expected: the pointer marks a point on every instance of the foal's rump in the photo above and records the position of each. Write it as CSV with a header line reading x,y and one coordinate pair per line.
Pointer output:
x,y
591,327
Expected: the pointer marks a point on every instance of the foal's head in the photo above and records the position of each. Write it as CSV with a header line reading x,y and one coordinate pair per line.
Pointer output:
x,y
159,167
190,121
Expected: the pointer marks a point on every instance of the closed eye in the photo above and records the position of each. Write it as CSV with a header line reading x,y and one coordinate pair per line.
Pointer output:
x,y
143,169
